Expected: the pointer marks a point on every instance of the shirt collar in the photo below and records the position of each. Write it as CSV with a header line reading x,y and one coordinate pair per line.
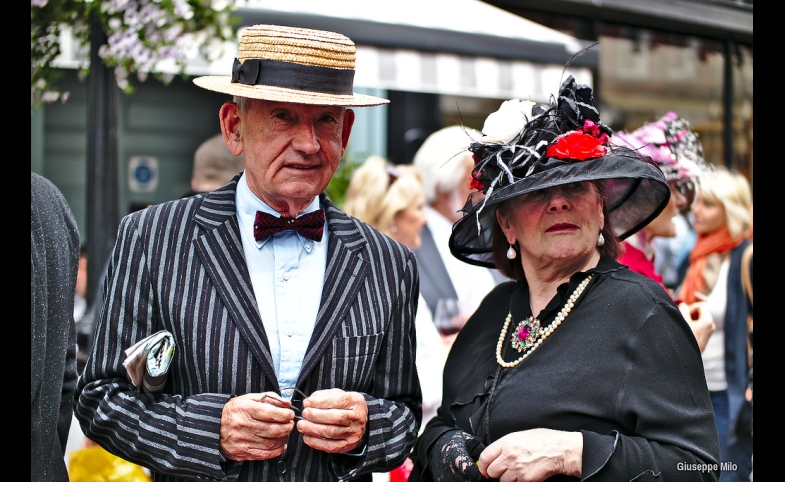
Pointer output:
x,y
248,203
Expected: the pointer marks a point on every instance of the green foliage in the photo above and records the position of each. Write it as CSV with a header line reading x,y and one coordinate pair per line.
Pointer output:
x,y
336,190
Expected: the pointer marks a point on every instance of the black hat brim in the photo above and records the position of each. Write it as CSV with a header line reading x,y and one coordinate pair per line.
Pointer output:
x,y
636,193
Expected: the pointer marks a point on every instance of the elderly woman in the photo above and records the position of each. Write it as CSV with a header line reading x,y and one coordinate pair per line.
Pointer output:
x,y
581,369
722,222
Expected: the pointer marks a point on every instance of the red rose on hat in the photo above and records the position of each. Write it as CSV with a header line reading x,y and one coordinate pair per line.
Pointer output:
x,y
576,146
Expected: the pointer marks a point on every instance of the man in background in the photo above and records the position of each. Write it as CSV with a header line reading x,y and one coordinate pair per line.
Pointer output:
x,y
54,260
214,166
445,165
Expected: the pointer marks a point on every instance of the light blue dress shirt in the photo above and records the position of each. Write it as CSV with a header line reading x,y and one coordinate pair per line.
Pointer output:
x,y
287,274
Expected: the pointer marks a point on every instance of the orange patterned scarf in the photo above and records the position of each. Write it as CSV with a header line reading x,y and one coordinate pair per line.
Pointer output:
x,y
719,241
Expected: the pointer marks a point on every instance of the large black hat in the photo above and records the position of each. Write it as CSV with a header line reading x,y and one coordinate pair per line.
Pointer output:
x,y
561,143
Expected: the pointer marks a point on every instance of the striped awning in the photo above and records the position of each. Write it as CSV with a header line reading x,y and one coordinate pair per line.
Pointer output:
x,y
453,74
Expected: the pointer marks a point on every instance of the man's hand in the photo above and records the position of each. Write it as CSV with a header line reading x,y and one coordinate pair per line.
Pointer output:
x,y
333,421
255,426
700,320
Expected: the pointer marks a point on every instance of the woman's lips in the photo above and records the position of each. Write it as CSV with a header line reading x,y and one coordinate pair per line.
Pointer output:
x,y
561,227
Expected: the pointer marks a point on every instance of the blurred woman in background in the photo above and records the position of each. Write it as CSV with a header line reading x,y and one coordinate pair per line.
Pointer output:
x,y
723,223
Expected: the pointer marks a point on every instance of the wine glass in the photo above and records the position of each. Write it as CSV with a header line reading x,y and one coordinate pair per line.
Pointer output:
x,y
446,310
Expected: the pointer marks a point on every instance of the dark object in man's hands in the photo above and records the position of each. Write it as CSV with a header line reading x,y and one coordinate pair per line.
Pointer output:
x,y
453,458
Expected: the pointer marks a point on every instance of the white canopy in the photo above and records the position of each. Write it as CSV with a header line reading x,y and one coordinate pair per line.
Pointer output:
x,y
456,47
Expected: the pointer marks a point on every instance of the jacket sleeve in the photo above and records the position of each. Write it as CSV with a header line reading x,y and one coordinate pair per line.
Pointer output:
x,y
665,409
395,403
69,386
169,434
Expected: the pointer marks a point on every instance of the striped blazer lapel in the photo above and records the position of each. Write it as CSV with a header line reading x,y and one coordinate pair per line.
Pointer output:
x,y
345,269
221,252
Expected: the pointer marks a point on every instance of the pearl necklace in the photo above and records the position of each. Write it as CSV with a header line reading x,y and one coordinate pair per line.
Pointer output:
x,y
529,335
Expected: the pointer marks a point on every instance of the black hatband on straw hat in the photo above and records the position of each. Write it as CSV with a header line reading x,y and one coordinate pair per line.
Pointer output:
x,y
290,64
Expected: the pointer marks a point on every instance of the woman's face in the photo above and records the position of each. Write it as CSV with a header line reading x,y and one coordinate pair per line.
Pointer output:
x,y
663,226
409,223
557,224
709,214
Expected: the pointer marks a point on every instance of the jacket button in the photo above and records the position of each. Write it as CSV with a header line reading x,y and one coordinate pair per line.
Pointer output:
x,y
280,467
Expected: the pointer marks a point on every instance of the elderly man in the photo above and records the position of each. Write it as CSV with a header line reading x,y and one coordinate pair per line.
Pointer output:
x,y
292,323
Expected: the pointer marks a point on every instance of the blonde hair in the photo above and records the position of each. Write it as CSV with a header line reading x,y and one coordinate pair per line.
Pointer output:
x,y
373,196
733,190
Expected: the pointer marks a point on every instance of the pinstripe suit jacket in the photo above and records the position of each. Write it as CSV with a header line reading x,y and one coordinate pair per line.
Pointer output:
x,y
180,266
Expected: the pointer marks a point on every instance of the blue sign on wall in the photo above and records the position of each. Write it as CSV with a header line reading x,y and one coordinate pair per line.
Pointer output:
x,y
143,174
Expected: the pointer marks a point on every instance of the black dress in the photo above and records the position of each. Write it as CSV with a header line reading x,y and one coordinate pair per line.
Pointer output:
x,y
624,369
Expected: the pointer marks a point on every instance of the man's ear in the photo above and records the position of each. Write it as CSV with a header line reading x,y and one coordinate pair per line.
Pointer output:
x,y
348,122
231,124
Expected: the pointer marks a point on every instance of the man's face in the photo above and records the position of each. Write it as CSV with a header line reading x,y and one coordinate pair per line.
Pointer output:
x,y
291,150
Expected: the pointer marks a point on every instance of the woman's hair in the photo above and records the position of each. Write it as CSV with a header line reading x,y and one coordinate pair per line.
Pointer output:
x,y
733,190
513,268
378,191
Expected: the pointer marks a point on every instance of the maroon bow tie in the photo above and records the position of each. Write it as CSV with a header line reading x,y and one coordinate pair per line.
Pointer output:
x,y
310,225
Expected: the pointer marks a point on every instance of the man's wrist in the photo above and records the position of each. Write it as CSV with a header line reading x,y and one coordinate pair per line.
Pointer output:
x,y
359,449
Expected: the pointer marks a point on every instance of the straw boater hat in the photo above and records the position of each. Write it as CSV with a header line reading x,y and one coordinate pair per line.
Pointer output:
x,y
290,64
552,145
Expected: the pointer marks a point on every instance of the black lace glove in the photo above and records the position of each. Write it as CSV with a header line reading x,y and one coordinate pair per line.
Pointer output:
x,y
453,458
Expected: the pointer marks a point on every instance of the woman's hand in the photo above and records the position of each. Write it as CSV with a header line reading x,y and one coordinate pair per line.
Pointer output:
x,y
700,320
533,455
452,457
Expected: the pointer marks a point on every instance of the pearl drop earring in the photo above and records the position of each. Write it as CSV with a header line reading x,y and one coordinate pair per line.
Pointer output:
x,y
600,240
511,254
393,229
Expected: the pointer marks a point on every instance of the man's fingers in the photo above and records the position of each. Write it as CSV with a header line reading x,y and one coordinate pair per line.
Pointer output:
x,y
255,427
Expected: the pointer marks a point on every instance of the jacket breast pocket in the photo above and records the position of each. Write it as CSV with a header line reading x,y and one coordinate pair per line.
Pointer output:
x,y
353,359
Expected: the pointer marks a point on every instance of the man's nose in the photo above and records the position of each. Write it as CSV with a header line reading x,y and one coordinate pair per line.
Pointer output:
x,y
305,139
